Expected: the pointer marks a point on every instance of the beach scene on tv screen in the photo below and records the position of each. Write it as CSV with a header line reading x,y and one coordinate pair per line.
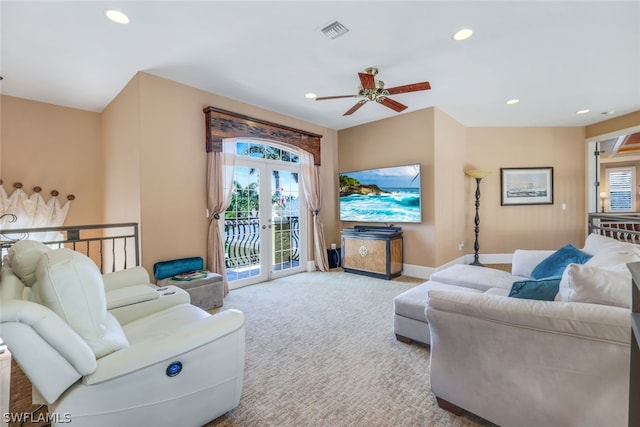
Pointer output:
x,y
389,195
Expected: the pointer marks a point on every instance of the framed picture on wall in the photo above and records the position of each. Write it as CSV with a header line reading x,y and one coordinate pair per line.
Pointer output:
x,y
526,186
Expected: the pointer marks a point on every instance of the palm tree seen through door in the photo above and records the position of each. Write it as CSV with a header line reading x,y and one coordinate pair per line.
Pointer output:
x,y
263,221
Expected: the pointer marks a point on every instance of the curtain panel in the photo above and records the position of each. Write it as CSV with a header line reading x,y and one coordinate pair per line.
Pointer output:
x,y
220,165
313,196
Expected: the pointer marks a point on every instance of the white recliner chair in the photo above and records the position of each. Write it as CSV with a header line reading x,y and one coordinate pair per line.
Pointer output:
x,y
130,293
176,366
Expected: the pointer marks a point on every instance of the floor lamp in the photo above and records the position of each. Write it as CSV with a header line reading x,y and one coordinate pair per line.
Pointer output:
x,y
477,175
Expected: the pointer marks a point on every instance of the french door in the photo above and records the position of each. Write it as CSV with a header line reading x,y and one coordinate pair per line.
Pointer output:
x,y
265,224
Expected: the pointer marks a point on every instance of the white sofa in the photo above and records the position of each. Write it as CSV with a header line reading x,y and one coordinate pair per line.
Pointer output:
x,y
410,319
174,365
525,362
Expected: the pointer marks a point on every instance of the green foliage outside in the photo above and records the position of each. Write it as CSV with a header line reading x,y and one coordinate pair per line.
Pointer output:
x,y
243,201
347,181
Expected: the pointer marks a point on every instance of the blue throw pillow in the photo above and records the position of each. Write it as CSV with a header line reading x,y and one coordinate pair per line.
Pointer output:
x,y
554,264
543,290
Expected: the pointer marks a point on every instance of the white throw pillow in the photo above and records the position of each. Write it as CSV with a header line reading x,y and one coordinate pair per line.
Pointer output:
x,y
595,285
596,243
616,258
70,284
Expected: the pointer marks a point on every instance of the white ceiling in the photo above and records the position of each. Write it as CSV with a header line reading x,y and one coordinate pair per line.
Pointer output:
x,y
556,57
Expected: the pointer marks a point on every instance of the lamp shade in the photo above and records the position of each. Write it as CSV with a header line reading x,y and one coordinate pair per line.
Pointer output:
x,y
477,173
603,195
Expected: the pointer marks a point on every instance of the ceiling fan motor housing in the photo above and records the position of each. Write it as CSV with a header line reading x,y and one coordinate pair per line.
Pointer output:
x,y
371,89
371,70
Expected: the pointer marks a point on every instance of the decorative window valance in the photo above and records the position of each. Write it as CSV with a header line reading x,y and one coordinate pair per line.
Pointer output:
x,y
221,124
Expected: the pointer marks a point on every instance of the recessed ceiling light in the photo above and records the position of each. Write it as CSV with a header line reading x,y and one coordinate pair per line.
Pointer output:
x,y
512,101
604,113
310,95
116,16
582,111
463,34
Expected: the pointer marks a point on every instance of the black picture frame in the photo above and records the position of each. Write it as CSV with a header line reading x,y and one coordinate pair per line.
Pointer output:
x,y
526,186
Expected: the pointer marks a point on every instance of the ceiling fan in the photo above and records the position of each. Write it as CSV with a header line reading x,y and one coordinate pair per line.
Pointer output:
x,y
371,89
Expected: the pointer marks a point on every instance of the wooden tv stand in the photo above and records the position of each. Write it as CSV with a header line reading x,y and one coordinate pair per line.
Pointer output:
x,y
372,251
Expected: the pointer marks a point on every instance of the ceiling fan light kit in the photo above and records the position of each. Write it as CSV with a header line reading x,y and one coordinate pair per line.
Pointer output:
x,y
371,89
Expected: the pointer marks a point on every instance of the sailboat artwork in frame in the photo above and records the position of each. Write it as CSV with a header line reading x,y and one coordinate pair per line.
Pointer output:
x,y
526,186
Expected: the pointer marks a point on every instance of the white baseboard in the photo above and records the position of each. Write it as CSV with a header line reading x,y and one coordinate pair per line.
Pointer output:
x,y
418,271
423,272
311,266
491,258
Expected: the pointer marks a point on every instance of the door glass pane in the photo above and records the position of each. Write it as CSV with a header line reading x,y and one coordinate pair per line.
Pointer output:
x,y
262,151
242,226
285,209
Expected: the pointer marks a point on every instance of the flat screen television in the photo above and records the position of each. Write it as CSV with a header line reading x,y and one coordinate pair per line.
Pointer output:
x,y
389,194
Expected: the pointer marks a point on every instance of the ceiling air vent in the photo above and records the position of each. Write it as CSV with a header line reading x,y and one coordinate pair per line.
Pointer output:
x,y
334,30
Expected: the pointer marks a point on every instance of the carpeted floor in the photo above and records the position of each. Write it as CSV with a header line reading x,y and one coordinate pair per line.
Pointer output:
x,y
320,351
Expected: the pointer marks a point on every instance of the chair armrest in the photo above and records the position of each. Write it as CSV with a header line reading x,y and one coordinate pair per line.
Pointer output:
x,y
593,321
524,354
52,329
128,295
525,260
50,353
167,346
120,279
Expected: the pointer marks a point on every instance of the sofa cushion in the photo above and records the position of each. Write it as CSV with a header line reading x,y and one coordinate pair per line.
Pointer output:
x,y
596,285
543,289
554,264
412,302
23,257
471,276
524,261
70,284
501,292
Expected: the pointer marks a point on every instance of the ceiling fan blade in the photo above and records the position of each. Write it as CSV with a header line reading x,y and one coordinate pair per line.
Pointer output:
x,y
414,87
368,80
394,105
355,107
322,98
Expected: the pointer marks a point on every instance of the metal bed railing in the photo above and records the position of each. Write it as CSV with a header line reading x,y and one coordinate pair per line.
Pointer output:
x,y
620,226
112,247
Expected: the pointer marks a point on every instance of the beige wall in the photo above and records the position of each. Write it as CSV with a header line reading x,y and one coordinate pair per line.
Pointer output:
x,y
121,156
164,130
445,150
400,140
506,228
143,160
450,203
56,148
612,125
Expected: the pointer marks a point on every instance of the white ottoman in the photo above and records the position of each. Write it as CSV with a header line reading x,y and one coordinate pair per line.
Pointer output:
x,y
409,317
